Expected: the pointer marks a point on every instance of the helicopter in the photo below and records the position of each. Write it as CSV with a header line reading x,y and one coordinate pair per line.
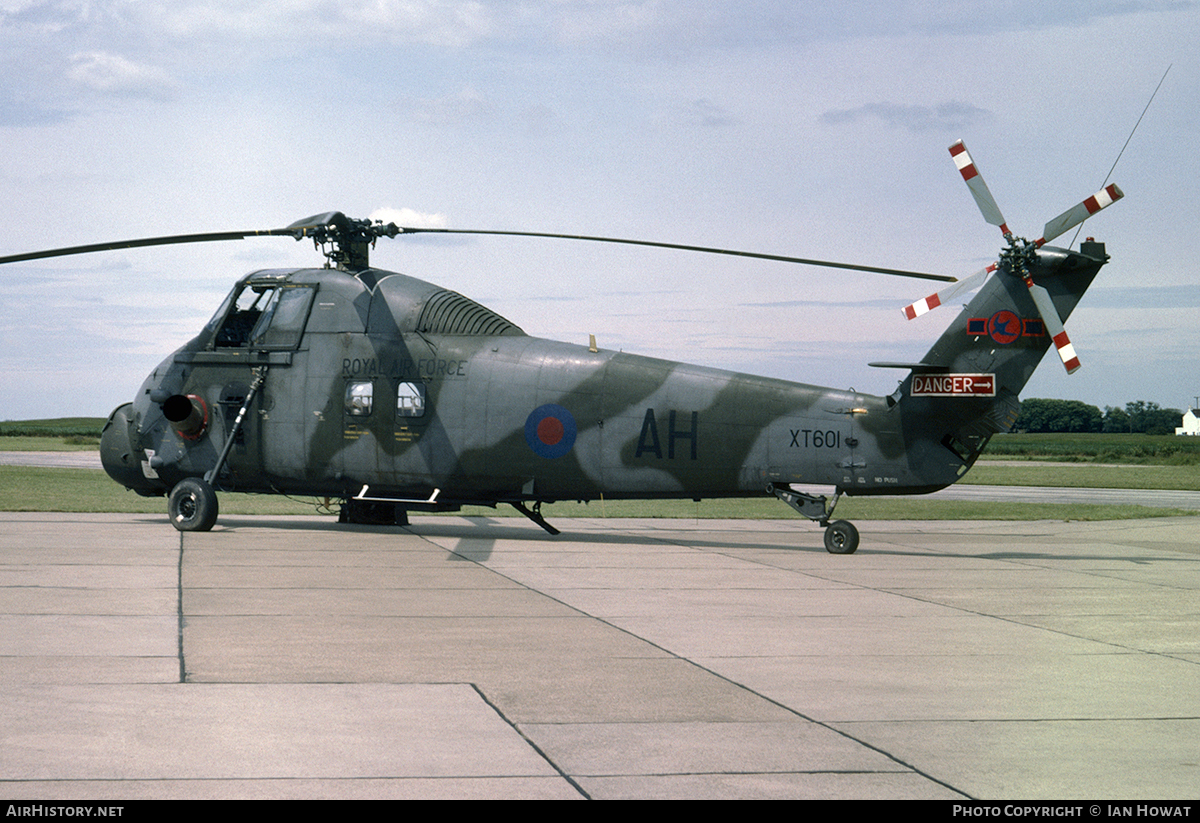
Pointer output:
x,y
392,394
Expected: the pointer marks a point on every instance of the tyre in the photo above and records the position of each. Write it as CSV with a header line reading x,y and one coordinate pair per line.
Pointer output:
x,y
841,537
192,505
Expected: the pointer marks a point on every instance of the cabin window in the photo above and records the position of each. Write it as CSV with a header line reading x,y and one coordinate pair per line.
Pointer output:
x,y
410,400
359,396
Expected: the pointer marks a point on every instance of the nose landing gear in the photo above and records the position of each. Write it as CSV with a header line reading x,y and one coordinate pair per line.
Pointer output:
x,y
192,505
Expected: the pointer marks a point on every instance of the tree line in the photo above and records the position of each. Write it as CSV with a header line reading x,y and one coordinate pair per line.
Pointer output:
x,y
1043,415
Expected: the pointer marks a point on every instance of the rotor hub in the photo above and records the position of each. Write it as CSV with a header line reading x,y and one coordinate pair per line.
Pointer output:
x,y
344,241
1019,256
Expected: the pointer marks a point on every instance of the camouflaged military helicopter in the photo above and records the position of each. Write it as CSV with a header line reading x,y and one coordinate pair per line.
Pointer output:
x,y
392,394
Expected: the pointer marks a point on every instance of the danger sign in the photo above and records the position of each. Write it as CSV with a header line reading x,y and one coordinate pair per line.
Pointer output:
x,y
954,385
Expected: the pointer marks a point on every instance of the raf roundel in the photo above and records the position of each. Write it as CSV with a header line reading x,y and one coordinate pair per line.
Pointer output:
x,y
1004,327
550,431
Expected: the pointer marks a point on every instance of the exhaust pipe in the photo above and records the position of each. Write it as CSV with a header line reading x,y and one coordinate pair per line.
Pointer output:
x,y
187,415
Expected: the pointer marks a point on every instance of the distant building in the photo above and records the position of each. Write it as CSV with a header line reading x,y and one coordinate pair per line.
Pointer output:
x,y
1191,424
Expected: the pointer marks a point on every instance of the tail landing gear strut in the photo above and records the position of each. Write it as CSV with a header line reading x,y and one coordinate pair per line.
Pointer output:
x,y
841,537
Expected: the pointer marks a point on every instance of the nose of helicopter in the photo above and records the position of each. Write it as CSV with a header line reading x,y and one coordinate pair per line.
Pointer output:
x,y
120,460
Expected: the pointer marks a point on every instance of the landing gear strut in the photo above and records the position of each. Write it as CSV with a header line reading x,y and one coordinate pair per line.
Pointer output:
x,y
534,514
841,537
192,504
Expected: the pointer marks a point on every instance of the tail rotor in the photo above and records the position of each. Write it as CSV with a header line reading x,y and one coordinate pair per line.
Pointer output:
x,y
1019,256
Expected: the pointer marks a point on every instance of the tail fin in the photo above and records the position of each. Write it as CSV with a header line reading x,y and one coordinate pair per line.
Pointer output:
x,y
965,388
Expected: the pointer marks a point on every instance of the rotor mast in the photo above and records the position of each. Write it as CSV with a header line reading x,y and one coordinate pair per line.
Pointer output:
x,y
345,242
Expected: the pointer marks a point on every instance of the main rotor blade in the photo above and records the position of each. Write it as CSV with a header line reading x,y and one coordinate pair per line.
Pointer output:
x,y
1075,215
303,227
925,304
145,241
979,190
777,257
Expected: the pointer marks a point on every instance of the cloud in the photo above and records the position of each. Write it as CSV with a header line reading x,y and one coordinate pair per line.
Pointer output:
x,y
409,218
576,22
50,17
705,113
877,303
1145,297
21,113
467,106
114,74
951,115
441,23
652,28
436,22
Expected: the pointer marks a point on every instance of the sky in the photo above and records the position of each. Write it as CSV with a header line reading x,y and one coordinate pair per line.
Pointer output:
x,y
806,129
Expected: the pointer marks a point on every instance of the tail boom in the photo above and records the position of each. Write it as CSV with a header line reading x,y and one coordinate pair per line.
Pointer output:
x,y
996,341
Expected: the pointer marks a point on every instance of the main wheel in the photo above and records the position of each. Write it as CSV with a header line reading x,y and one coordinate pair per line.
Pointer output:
x,y
192,505
841,537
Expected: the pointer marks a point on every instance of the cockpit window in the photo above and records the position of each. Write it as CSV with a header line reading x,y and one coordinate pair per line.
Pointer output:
x,y
264,316
221,312
283,319
242,317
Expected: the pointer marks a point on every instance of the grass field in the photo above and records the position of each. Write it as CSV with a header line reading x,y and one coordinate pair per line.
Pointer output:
x,y
1086,475
41,443
89,490
86,429
1162,449
84,432
1077,461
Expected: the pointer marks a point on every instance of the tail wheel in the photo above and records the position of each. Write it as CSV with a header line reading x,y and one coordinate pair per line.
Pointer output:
x,y
192,505
841,537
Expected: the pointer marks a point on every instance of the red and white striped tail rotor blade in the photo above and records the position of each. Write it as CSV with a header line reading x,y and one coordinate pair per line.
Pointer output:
x,y
979,190
915,310
1072,217
1054,326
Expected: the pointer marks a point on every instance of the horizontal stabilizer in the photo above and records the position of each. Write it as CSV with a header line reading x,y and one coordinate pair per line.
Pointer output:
x,y
921,368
